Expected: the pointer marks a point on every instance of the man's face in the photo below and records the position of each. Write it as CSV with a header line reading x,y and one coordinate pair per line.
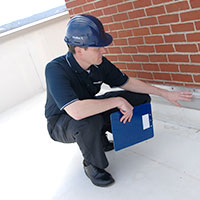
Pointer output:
x,y
93,55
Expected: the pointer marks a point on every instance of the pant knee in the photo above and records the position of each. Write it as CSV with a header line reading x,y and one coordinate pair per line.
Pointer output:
x,y
148,98
136,98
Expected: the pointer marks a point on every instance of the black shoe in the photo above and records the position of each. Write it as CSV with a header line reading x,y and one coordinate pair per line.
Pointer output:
x,y
108,146
99,177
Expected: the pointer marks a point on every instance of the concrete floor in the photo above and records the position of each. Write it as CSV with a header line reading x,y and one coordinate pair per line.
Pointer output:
x,y
34,167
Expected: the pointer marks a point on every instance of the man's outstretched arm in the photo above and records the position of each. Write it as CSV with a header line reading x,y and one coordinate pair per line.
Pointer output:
x,y
135,85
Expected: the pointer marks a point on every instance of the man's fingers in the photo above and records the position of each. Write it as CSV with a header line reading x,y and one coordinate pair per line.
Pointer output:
x,y
176,103
180,96
187,93
123,119
185,99
185,96
129,119
126,117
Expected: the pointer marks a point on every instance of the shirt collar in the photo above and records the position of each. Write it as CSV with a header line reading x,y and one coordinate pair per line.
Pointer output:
x,y
73,63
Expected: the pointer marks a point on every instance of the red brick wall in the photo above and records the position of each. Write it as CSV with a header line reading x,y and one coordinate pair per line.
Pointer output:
x,y
157,41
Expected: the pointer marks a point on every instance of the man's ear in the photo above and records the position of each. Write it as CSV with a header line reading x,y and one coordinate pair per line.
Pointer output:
x,y
78,50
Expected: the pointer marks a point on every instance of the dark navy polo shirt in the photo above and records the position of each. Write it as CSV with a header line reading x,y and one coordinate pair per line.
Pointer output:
x,y
67,82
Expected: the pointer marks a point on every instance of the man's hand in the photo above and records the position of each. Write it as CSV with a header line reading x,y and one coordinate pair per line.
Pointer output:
x,y
175,96
126,109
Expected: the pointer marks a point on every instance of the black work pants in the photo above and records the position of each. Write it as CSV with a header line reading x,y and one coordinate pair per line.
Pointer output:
x,y
87,133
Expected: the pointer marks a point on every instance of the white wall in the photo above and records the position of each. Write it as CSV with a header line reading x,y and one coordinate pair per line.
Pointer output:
x,y
23,57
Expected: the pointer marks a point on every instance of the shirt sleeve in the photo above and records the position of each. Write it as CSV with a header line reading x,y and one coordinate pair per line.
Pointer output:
x,y
113,76
59,86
